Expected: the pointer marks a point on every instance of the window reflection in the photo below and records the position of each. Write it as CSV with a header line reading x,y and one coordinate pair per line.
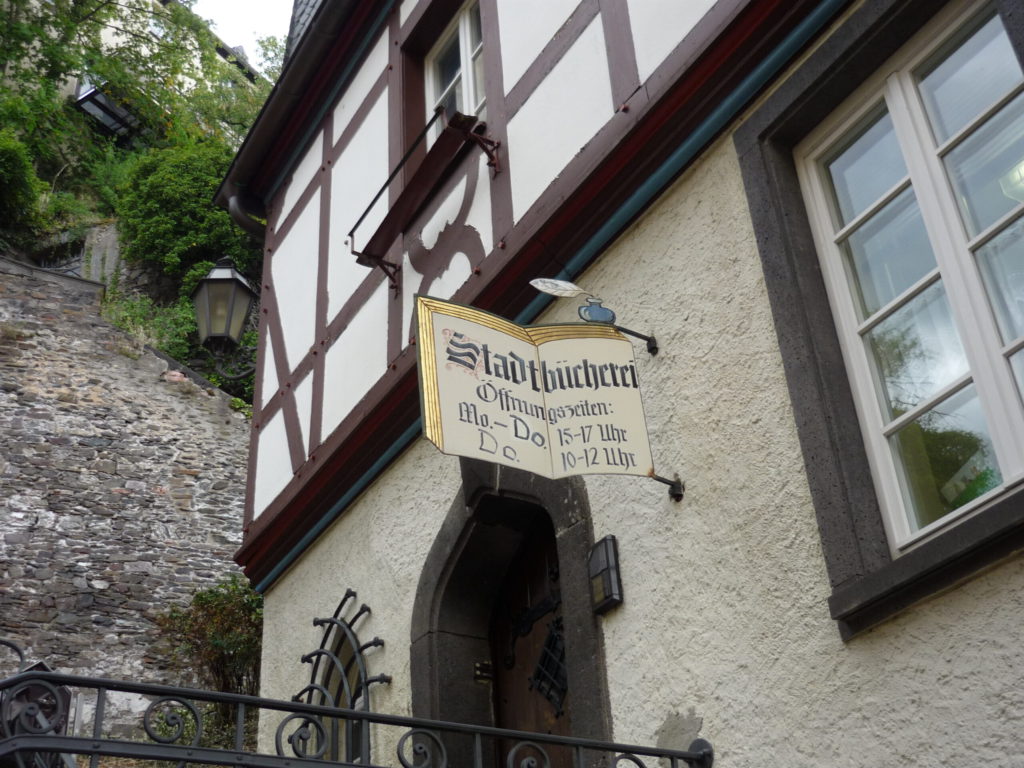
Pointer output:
x,y
1001,263
889,253
978,166
946,458
916,351
866,169
968,81
1017,363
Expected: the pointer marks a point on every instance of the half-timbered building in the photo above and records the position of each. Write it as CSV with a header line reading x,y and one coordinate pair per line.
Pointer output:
x,y
815,206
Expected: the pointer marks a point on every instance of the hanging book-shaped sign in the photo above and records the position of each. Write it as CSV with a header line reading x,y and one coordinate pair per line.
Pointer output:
x,y
556,400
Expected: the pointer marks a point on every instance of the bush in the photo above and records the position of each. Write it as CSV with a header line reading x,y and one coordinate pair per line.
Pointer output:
x,y
165,327
19,188
167,217
218,639
218,636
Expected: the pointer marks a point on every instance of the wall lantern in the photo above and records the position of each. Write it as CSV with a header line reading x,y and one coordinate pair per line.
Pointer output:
x,y
222,300
605,581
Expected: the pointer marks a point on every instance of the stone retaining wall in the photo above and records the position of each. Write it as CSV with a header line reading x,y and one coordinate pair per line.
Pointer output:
x,y
121,483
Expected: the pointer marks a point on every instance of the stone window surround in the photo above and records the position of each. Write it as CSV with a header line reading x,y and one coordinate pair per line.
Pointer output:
x,y
868,584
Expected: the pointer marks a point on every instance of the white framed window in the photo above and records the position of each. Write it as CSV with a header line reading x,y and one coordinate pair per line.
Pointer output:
x,y
915,193
454,67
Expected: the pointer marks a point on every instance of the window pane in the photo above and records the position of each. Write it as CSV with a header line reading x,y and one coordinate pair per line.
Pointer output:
x,y
451,99
1001,262
868,167
888,253
448,66
985,168
474,27
1017,363
946,458
478,81
917,351
974,77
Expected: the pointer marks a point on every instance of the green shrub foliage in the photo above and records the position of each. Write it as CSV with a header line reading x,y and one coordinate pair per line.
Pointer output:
x,y
218,636
165,327
166,215
217,639
19,188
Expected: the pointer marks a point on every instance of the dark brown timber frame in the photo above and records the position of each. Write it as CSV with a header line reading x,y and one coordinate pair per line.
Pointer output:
x,y
651,121
868,584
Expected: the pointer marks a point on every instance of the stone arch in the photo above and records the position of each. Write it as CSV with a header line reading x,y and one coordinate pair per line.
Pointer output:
x,y
461,575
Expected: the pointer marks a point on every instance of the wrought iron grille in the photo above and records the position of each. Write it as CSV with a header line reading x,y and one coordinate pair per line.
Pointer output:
x,y
551,679
172,728
339,678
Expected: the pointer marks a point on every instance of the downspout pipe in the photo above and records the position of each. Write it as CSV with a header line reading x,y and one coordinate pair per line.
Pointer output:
x,y
720,117
244,217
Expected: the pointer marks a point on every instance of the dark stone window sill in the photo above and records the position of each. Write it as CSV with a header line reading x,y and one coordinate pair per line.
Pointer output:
x,y
937,564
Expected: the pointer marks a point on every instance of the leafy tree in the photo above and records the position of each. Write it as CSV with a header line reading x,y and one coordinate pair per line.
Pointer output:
x,y
272,54
167,219
19,189
158,60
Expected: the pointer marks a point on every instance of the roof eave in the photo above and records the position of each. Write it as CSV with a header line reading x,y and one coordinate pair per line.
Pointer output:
x,y
291,91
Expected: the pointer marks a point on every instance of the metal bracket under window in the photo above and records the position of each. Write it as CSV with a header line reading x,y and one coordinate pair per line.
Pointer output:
x,y
459,131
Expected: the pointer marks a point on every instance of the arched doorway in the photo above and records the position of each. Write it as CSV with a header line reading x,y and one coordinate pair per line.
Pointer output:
x,y
502,632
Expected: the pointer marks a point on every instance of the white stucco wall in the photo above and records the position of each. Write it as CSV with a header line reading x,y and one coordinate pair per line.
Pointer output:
x,y
658,26
525,27
358,90
273,464
357,175
576,97
302,175
291,266
356,360
725,615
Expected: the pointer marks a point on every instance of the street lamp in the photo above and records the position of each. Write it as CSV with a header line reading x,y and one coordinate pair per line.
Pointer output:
x,y
222,300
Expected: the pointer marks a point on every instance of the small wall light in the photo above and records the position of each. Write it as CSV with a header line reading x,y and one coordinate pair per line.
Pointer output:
x,y
605,581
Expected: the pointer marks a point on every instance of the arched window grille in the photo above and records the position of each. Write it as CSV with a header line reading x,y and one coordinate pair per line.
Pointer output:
x,y
339,678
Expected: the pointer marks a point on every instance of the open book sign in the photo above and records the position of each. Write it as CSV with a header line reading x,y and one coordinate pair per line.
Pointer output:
x,y
556,400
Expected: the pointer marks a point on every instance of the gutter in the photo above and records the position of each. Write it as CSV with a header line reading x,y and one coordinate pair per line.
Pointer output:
x,y
720,117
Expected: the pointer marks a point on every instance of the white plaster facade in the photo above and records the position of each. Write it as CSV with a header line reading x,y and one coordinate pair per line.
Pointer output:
x,y
726,628
725,614
567,108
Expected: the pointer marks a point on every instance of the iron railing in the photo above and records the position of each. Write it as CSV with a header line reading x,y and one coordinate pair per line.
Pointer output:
x,y
39,730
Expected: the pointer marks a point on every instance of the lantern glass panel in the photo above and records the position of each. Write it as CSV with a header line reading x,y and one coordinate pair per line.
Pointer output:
x,y
220,307
201,300
239,311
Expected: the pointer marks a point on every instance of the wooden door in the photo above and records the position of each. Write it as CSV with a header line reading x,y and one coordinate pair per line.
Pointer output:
x,y
531,688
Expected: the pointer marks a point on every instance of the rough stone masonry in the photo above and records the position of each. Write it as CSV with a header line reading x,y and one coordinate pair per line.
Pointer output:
x,y
121,483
